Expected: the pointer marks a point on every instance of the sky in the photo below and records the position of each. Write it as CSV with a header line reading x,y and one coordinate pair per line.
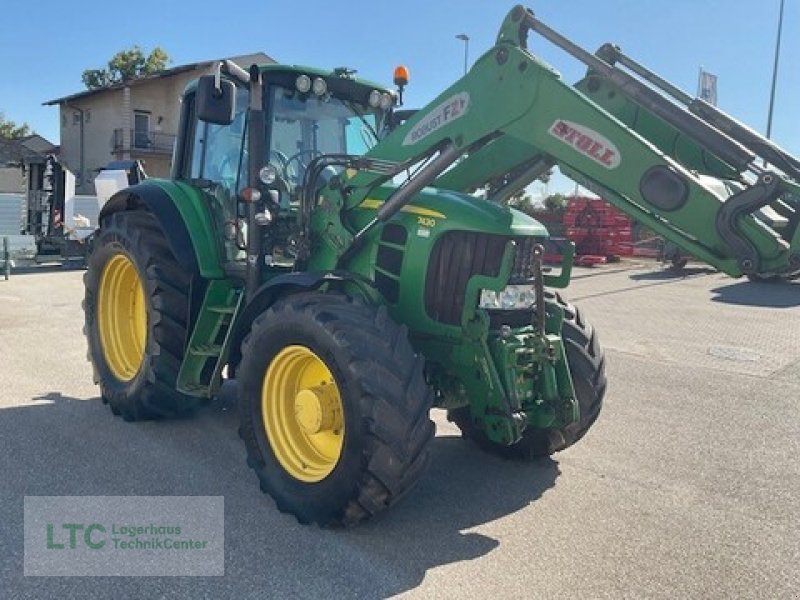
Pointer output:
x,y
44,52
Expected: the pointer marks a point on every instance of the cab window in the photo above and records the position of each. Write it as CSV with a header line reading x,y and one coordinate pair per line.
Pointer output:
x,y
218,151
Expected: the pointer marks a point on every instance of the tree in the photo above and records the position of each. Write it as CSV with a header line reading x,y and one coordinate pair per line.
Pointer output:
x,y
555,203
126,65
519,197
12,131
522,201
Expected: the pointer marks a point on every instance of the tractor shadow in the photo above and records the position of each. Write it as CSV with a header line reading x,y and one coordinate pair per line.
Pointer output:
x,y
61,445
782,294
464,488
668,274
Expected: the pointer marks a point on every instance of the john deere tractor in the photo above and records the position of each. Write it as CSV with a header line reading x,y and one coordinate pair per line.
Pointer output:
x,y
322,247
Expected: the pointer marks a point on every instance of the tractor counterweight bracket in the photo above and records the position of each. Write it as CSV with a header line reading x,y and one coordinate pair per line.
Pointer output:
x,y
763,193
538,282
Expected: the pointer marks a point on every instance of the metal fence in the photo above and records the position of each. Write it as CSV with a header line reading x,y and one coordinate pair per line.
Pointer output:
x,y
140,141
12,210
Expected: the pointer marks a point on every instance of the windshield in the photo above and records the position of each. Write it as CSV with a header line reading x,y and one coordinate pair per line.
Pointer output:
x,y
305,126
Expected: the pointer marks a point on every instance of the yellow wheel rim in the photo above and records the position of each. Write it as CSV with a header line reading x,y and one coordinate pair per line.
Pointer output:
x,y
122,317
303,414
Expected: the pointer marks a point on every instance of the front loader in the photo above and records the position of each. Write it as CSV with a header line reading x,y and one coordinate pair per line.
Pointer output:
x,y
320,247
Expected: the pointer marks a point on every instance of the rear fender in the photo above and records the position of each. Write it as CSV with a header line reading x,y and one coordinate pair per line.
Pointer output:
x,y
183,216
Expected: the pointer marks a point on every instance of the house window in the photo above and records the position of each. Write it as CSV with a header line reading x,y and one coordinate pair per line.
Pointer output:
x,y
141,129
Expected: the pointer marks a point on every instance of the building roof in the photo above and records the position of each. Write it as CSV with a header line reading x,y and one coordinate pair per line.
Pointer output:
x,y
38,144
14,153
240,60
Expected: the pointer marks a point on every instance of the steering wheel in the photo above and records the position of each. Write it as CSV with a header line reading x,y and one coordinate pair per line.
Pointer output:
x,y
301,164
224,174
280,158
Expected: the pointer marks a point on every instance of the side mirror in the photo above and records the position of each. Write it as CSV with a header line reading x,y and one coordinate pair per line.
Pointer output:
x,y
215,105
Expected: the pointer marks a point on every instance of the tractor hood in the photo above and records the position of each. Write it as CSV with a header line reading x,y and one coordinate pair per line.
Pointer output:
x,y
438,209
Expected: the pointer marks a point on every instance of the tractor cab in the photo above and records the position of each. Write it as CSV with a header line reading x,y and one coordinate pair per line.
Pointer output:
x,y
301,114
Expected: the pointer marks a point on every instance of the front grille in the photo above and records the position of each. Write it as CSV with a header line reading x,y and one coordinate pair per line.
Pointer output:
x,y
523,259
459,255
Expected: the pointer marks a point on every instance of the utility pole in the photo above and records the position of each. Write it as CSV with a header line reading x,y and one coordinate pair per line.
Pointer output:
x,y
775,71
464,38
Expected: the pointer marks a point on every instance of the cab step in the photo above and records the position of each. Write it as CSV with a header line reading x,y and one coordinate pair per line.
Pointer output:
x,y
206,353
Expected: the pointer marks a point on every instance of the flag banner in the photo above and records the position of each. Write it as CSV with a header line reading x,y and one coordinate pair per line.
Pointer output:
x,y
707,87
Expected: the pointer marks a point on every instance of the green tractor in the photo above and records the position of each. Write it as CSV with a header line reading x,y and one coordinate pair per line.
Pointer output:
x,y
320,246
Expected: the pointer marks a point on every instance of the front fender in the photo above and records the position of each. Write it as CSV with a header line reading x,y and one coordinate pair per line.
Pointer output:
x,y
287,284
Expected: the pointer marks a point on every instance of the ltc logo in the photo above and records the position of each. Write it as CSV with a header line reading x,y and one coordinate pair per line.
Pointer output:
x,y
87,532
587,142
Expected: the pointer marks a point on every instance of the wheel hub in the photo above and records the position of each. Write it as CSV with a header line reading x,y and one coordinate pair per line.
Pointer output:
x,y
303,414
316,409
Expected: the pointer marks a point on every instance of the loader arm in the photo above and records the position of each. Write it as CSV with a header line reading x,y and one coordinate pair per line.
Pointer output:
x,y
512,117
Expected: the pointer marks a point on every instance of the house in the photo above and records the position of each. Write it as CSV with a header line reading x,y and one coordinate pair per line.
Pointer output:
x,y
22,166
136,119
19,159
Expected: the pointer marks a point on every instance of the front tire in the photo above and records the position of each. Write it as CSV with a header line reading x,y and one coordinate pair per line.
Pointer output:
x,y
678,263
586,361
135,307
334,408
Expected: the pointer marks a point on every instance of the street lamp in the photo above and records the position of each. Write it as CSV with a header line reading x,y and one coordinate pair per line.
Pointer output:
x,y
775,72
464,38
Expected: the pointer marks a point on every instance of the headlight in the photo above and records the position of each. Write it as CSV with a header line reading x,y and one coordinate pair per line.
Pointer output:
x,y
303,84
387,100
319,87
513,297
268,174
374,98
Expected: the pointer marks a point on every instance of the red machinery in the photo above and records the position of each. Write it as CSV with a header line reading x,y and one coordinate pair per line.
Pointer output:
x,y
600,232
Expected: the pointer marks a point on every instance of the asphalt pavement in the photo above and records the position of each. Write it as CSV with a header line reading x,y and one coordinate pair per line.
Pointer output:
x,y
688,486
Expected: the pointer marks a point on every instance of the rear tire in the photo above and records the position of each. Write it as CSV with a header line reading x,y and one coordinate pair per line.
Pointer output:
x,y
137,367
587,365
383,409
